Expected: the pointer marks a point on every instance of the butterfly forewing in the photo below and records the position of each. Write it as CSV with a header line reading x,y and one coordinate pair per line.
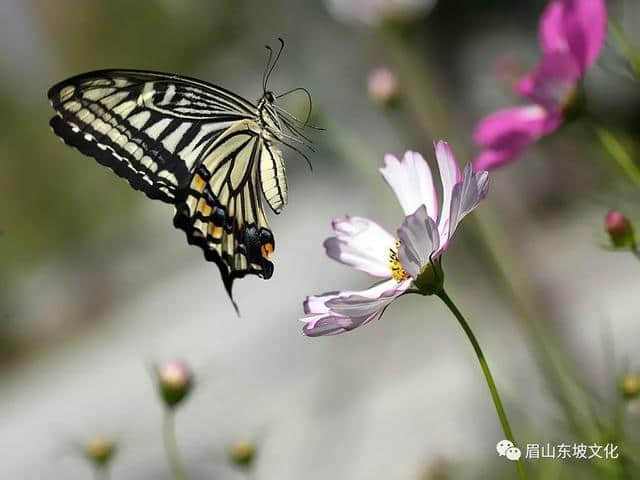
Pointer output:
x,y
186,142
149,128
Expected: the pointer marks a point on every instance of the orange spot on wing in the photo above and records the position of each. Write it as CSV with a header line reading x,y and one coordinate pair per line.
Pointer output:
x,y
267,250
204,208
216,232
198,183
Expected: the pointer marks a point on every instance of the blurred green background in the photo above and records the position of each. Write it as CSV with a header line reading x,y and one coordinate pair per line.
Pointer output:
x,y
95,283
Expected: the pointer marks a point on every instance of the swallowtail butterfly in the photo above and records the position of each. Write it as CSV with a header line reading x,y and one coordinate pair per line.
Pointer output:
x,y
209,152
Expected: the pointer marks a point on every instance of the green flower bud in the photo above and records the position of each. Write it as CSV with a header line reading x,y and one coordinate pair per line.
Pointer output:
x,y
630,385
175,381
619,229
242,454
100,451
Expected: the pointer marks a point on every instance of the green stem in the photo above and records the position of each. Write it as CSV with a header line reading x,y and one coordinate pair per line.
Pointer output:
x,y
615,148
101,473
487,375
171,447
636,252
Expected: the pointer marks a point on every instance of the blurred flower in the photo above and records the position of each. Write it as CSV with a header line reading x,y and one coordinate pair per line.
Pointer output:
x,y
572,33
411,256
100,451
242,454
175,381
375,12
619,229
630,385
383,86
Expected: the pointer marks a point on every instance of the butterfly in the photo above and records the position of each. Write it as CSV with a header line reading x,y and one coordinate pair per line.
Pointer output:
x,y
204,149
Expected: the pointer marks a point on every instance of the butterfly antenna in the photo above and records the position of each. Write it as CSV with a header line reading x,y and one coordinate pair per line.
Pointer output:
x,y
266,69
275,62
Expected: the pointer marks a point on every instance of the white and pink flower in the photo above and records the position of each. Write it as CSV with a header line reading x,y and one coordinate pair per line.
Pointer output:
x,y
397,260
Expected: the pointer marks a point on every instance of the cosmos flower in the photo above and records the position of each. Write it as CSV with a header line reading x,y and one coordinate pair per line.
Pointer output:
x,y
374,12
572,33
409,258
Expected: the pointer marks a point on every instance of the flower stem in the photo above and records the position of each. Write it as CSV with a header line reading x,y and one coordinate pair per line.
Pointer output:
x,y
171,447
101,473
487,375
617,151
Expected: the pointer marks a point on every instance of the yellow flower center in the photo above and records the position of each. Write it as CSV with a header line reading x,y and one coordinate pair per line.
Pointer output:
x,y
398,273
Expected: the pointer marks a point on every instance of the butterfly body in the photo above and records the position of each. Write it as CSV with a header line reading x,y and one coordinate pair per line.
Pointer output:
x,y
209,152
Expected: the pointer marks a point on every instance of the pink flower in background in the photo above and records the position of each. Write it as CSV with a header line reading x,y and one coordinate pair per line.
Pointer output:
x,y
396,260
571,36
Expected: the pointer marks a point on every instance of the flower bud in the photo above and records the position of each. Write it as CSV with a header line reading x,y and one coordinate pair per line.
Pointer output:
x,y
630,385
175,381
100,451
619,229
383,86
242,454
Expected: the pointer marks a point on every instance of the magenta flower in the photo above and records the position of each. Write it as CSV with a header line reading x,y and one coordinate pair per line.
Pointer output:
x,y
412,256
571,36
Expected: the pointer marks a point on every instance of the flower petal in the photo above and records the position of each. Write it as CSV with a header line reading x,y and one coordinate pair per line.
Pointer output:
x,y
362,244
449,175
323,325
419,238
492,159
344,311
507,132
466,196
551,34
412,182
553,82
576,27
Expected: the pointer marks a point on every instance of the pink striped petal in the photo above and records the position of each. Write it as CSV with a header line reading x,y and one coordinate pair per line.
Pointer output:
x,y
362,244
449,175
465,198
411,181
419,238
340,312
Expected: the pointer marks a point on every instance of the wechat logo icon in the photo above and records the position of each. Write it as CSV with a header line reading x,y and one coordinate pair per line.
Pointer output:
x,y
507,449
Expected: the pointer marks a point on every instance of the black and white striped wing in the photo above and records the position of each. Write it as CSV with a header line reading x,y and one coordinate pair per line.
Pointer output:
x,y
151,128
221,211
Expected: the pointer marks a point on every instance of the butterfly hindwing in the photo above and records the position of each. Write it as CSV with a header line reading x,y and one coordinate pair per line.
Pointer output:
x,y
150,128
222,210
